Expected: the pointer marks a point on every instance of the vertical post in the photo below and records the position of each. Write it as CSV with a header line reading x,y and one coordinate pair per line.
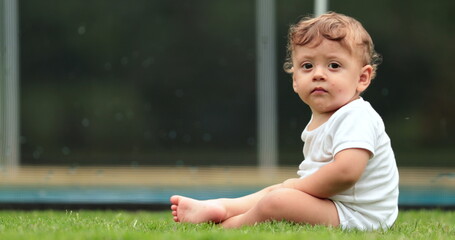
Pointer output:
x,y
9,86
320,7
266,83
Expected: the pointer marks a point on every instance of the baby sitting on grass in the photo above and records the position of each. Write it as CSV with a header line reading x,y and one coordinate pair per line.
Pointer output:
x,y
349,177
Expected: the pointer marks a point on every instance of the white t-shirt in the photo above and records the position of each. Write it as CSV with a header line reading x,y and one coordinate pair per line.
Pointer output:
x,y
373,201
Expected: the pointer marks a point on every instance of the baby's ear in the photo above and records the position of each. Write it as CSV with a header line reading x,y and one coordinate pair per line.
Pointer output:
x,y
365,78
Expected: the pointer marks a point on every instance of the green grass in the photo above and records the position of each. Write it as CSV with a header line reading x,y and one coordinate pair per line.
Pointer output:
x,y
43,225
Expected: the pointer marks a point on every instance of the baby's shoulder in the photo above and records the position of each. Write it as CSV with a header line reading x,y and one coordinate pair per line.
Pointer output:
x,y
360,113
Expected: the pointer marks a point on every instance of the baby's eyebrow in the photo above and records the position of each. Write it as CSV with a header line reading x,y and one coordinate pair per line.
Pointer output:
x,y
305,57
336,57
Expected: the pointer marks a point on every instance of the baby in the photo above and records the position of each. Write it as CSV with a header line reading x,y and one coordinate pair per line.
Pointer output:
x,y
349,177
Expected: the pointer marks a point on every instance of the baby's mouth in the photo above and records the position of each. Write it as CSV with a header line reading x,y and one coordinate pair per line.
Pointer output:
x,y
319,90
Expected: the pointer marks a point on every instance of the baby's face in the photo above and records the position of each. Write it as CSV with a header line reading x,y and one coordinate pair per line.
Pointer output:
x,y
328,76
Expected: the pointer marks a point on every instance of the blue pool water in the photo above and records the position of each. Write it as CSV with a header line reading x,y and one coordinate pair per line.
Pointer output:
x,y
112,194
440,197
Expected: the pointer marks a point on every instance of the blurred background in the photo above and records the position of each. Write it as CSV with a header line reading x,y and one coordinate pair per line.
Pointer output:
x,y
158,93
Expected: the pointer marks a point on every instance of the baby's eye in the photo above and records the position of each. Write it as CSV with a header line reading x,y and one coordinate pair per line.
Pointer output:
x,y
307,66
334,65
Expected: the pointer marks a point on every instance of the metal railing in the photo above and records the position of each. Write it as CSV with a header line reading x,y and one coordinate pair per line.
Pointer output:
x,y
9,85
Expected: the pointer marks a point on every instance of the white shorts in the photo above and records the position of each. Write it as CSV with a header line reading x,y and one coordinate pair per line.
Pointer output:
x,y
352,219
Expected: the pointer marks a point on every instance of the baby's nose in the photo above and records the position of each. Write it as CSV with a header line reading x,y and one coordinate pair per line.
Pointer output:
x,y
319,74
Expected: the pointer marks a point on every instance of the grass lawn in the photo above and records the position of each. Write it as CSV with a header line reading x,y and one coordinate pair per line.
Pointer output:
x,y
43,225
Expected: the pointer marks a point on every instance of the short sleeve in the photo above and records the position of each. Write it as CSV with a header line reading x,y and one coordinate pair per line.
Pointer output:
x,y
354,128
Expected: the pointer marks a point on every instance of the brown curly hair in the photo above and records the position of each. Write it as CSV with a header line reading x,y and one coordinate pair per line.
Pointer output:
x,y
335,27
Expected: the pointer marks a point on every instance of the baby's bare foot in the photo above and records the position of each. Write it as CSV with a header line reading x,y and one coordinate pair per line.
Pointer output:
x,y
194,211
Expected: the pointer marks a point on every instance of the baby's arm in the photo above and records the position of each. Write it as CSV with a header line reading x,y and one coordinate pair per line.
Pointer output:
x,y
334,177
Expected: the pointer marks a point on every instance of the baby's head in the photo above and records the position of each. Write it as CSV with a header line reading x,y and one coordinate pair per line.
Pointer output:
x,y
335,27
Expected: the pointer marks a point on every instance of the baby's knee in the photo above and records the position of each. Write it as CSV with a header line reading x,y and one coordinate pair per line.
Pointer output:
x,y
275,200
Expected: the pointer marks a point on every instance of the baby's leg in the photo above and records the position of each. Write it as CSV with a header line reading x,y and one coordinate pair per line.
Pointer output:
x,y
217,210
288,204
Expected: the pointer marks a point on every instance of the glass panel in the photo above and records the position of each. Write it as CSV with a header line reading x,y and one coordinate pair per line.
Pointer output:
x,y
149,83
112,91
